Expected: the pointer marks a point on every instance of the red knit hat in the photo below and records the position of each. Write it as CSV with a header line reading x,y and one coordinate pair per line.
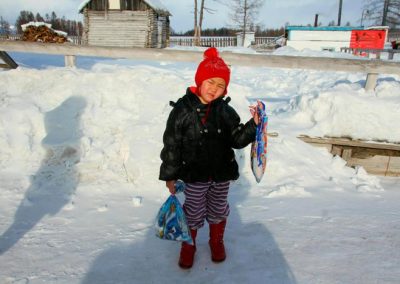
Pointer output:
x,y
212,66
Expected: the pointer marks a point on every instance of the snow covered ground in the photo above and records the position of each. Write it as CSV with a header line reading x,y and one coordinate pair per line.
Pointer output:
x,y
79,181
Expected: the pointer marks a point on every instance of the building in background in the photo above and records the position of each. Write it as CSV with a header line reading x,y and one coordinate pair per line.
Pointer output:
x,y
125,23
332,38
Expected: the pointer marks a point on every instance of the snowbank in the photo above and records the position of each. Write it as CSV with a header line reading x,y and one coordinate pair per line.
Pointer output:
x,y
79,177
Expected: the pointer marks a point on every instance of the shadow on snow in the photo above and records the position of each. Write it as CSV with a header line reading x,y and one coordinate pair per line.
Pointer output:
x,y
57,178
252,255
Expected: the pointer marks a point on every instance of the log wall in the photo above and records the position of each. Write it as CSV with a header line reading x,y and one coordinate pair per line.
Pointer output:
x,y
118,28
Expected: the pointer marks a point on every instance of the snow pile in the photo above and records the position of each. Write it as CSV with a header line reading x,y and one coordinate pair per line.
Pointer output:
x,y
349,111
80,190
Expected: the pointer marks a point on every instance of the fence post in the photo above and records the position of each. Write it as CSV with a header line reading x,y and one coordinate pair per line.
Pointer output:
x,y
371,81
70,60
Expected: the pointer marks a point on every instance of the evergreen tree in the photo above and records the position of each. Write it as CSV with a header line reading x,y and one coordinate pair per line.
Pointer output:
x,y
331,23
54,21
39,18
4,27
72,28
23,18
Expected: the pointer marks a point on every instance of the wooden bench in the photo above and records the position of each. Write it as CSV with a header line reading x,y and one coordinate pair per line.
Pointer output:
x,y
379,158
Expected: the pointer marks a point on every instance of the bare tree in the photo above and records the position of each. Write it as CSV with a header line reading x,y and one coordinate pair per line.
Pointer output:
x,y
382,12
198,19
244,14
195,28
201,16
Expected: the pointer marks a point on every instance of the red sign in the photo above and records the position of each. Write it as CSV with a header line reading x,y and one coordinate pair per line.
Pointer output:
x,y
368,39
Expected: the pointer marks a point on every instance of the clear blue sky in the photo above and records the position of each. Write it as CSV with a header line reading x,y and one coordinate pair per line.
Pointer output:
x,y
274,14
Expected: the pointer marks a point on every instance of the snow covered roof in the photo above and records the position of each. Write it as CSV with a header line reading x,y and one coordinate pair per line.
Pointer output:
x,y
82,5
155,4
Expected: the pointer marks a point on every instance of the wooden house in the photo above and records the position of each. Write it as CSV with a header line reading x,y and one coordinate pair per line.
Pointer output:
x,y
333,38
125,23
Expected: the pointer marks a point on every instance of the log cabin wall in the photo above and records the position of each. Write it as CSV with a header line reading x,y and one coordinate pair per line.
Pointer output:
x,y
135,24
118,28
133,5
158,30
152,34
85,34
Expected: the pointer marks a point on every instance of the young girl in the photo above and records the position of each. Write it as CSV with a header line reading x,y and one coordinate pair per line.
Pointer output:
x,y
201,131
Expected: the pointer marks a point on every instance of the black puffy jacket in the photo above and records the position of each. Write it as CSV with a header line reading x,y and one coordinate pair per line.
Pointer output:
x,y
197,152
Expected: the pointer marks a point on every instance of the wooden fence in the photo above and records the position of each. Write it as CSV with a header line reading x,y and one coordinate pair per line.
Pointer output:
x,y
75,40
394,35
216,41
265,40
10,37
368,52
370,67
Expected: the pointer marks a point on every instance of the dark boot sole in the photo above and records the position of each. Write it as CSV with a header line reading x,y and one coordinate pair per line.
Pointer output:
x,y
185,266
218,260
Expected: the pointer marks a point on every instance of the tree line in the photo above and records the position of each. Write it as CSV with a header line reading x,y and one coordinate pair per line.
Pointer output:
x,y
243,15
259,32
71,27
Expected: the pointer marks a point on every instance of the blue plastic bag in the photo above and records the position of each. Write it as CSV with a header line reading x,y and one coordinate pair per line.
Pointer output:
x,y
171,221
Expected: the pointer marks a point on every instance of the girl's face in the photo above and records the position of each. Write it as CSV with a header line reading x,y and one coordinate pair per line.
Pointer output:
x,y
211,89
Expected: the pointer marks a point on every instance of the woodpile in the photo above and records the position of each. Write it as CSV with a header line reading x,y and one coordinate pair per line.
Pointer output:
x,y
42,34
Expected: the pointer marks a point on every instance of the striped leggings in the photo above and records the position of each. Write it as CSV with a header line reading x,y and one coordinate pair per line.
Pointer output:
x,y
206,200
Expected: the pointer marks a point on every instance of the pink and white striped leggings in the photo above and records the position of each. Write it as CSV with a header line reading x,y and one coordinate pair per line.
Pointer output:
x,y
206,200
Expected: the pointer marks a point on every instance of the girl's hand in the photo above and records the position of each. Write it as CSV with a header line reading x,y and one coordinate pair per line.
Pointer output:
x,y
254,113
171,186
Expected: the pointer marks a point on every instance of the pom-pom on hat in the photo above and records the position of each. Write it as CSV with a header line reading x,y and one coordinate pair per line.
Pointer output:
x,y
212,66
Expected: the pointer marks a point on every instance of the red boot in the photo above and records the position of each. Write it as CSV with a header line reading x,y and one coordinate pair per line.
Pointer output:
x,y
217,241
187,252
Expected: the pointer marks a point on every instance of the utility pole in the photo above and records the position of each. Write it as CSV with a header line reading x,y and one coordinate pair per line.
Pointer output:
x,y
385,12
316,20
340,12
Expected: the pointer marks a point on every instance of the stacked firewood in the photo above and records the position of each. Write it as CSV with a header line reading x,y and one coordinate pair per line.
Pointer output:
x,y
42,34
